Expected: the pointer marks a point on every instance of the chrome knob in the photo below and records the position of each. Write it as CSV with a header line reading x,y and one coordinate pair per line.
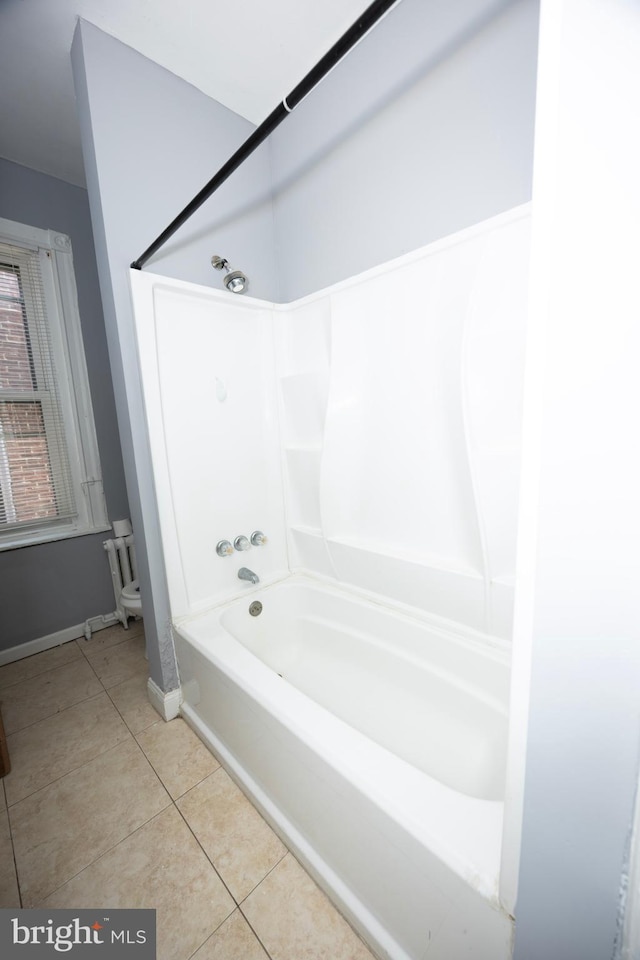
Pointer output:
x,y
224,548
258,538
241,543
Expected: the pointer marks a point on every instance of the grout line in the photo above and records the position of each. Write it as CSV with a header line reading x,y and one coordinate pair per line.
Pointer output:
x,y
56,713
76,645
95,673
98,753
248,922
156,775
73,770
57,668
68,707
66,663
97,652
121,714
236,909
238,904
135,830
213,866
193,785
286,853
253,931
119,680
13,847
101,855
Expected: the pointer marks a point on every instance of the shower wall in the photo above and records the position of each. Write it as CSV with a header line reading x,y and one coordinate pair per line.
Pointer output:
x,y
371,432
400,398
206,360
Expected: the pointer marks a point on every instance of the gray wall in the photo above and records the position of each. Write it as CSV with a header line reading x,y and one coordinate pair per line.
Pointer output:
x,y
425,128
51,586
150,142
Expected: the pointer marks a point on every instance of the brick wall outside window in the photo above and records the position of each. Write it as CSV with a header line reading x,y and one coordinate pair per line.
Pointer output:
x,y
21,422
28,458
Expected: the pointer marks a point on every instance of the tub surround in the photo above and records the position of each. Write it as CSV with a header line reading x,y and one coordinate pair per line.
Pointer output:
x,y
372,432
400,394
210,395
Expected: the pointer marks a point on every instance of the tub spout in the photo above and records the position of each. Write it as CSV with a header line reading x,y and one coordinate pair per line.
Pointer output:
x,y
246,574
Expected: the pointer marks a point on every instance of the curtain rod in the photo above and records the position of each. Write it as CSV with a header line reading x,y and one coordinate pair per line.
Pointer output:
x,y
363,24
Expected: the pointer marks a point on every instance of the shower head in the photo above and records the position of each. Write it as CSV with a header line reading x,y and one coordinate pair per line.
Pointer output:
x,y
234,280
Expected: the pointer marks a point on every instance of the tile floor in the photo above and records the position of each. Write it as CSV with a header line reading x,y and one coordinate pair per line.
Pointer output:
x,y
107,805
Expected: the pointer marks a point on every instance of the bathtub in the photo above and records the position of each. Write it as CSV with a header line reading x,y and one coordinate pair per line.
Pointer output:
x,y
374,742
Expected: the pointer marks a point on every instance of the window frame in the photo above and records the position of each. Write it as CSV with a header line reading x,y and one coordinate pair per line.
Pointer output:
x,y
63,318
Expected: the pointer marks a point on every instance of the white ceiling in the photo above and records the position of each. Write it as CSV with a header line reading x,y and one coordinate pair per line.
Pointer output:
x,y
246,54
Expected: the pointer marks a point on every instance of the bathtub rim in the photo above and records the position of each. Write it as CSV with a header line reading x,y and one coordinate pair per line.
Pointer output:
x,y
489,644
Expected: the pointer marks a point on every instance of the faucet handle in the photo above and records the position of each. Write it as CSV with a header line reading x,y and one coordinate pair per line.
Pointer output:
x,y
241,543
224,548
258,538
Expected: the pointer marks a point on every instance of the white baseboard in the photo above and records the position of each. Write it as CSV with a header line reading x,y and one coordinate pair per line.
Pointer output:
x,y
56,639
167,704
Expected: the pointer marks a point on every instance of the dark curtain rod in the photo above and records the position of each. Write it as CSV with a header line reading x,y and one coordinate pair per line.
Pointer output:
x,y
364,23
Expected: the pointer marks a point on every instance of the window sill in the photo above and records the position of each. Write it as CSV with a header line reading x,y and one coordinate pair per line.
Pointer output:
x,y
32,538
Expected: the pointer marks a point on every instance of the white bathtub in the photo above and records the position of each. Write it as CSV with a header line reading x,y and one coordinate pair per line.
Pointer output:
x,y
375,744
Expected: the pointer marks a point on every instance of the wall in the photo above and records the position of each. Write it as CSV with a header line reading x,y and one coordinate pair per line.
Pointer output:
x,y
150,142
213,429
424,129
400,418
51,586
577,625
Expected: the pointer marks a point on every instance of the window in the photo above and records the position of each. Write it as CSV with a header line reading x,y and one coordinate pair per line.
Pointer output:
x,y
50,485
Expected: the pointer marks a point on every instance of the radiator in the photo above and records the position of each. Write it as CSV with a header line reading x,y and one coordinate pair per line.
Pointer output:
x,y
122,560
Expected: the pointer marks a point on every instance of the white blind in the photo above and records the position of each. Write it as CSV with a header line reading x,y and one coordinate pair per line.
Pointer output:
x,y
35,479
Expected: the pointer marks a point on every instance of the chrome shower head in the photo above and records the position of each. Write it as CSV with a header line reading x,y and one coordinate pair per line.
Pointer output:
x,y
234,280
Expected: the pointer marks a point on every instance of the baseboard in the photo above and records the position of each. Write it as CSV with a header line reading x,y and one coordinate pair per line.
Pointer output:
x,y
56,639
167,704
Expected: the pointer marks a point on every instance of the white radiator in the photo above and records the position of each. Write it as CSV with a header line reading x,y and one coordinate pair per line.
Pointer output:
x,y
122,560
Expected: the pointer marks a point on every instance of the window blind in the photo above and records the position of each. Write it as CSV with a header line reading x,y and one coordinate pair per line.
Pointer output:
x,y
35,479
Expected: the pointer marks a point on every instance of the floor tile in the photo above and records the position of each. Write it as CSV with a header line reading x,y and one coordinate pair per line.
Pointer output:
x,y
295,920
159,866
233,940
177,755
32,666
241,845
64,827
132,702
31,700
119,662
51,748
9,895
109,637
